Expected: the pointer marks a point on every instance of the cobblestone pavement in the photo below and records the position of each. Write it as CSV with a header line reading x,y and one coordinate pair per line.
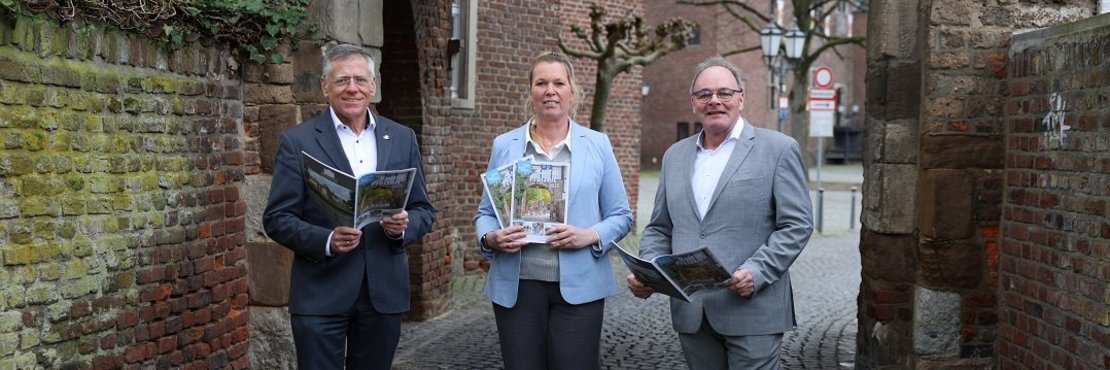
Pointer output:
x,y
637,333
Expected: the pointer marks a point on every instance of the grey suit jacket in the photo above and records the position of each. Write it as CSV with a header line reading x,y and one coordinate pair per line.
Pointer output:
x,y
759,218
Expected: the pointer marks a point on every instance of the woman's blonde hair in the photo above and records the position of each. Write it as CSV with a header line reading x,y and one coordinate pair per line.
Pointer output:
x,y
554,57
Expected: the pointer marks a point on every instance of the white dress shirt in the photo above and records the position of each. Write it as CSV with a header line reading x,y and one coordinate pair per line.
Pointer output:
x,y
709,165
361,149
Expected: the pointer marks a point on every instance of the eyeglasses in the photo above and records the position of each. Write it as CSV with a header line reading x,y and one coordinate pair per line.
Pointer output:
x,y
343,81
724,95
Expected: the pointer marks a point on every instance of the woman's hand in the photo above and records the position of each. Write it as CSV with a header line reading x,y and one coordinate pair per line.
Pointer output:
x,y
565,236
506,240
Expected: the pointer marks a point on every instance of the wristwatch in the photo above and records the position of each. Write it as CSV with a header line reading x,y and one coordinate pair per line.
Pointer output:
x,y
482,242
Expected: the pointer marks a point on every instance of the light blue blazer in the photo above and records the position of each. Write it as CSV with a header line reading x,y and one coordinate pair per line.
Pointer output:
x,y
597,200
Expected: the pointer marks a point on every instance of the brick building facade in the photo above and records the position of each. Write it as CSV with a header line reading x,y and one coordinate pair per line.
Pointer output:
x,y
667,117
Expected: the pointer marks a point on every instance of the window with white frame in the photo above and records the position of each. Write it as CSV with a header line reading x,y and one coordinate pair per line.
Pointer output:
x,y
462,49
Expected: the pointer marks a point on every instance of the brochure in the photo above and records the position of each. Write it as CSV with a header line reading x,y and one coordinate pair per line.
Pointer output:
x,y
539,197
498,184
678,275
356,202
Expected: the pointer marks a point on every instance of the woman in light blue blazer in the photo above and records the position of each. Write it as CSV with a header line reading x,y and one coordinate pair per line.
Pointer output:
x,y
548,298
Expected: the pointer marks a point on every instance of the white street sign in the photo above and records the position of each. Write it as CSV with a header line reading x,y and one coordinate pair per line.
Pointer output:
x,y
828,94
822,105
821,123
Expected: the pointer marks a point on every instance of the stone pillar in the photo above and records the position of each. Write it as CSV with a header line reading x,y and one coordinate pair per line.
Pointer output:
x,y
933,188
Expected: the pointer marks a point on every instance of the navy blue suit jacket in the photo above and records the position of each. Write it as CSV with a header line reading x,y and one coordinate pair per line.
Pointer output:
x,y
328,285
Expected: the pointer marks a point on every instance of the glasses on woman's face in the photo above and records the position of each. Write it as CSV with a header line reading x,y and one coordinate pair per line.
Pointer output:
x,y
724,95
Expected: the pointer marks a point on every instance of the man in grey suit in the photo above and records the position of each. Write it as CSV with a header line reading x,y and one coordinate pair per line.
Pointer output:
x,y
740,190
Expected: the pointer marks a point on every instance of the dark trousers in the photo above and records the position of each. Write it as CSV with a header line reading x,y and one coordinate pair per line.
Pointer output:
x,y
543,331
363,337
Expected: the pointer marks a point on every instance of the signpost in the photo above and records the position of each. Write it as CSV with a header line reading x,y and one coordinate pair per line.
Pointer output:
x,y
821,103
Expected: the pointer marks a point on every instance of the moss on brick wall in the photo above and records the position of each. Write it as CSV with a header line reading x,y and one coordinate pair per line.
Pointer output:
x,y
120,216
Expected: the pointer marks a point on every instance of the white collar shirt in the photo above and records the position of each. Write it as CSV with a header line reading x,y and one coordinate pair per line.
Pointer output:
x,y
361,149
550,155
709,166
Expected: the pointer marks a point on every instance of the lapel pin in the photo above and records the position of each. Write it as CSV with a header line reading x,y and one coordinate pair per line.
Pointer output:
x,y
385,137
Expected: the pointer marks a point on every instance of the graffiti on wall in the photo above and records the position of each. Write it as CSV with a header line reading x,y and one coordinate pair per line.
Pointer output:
x,y
1055,126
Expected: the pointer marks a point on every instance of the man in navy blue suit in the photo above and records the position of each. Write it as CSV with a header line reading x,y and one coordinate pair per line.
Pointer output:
x,y
349,287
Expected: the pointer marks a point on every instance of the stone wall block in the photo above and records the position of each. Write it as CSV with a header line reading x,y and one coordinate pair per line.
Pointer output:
x,y
900,142
370,30
962,151
352,21
896,193
280,74
888,257
272,120
946,204
271,339
902,94
936,322
307,60
892,26
951,264
268,276
266,94
952,13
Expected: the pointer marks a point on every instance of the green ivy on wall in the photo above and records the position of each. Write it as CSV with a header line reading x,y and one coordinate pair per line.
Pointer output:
x,y
255,27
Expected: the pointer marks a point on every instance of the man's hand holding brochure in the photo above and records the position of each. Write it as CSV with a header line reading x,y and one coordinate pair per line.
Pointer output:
x,y
677,275
356,202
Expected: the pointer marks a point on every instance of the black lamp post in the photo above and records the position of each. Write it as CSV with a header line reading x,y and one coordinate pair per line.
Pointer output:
x,y
771,39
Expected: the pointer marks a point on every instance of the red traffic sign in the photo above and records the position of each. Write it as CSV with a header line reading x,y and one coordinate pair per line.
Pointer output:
x,y
823,77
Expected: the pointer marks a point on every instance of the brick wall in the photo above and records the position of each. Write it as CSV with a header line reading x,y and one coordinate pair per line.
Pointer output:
x,y
933,239
121,218
1055,255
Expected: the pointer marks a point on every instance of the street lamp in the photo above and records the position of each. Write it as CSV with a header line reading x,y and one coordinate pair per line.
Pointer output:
x,y
770,41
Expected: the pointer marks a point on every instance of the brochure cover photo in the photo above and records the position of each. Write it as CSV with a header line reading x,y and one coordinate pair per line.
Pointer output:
x,y
539,197
498,184
677,275
356,202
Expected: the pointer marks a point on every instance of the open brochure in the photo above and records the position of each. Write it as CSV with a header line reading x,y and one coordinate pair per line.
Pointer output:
x,y
677,275
539,197
498,183
356,202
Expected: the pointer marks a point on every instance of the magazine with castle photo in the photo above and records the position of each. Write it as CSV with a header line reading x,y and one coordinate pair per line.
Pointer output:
x,y
498,184
677,275
539,197
356,202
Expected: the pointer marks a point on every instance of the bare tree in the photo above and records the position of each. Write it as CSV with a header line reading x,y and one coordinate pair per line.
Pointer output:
x,y
619,45
810,17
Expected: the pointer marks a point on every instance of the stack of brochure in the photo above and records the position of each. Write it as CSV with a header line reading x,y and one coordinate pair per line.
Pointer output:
x,y
529,193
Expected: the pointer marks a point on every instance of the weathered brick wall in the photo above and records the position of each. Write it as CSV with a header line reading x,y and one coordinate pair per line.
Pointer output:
x,y
934,160
121,218
1055,255
416,68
